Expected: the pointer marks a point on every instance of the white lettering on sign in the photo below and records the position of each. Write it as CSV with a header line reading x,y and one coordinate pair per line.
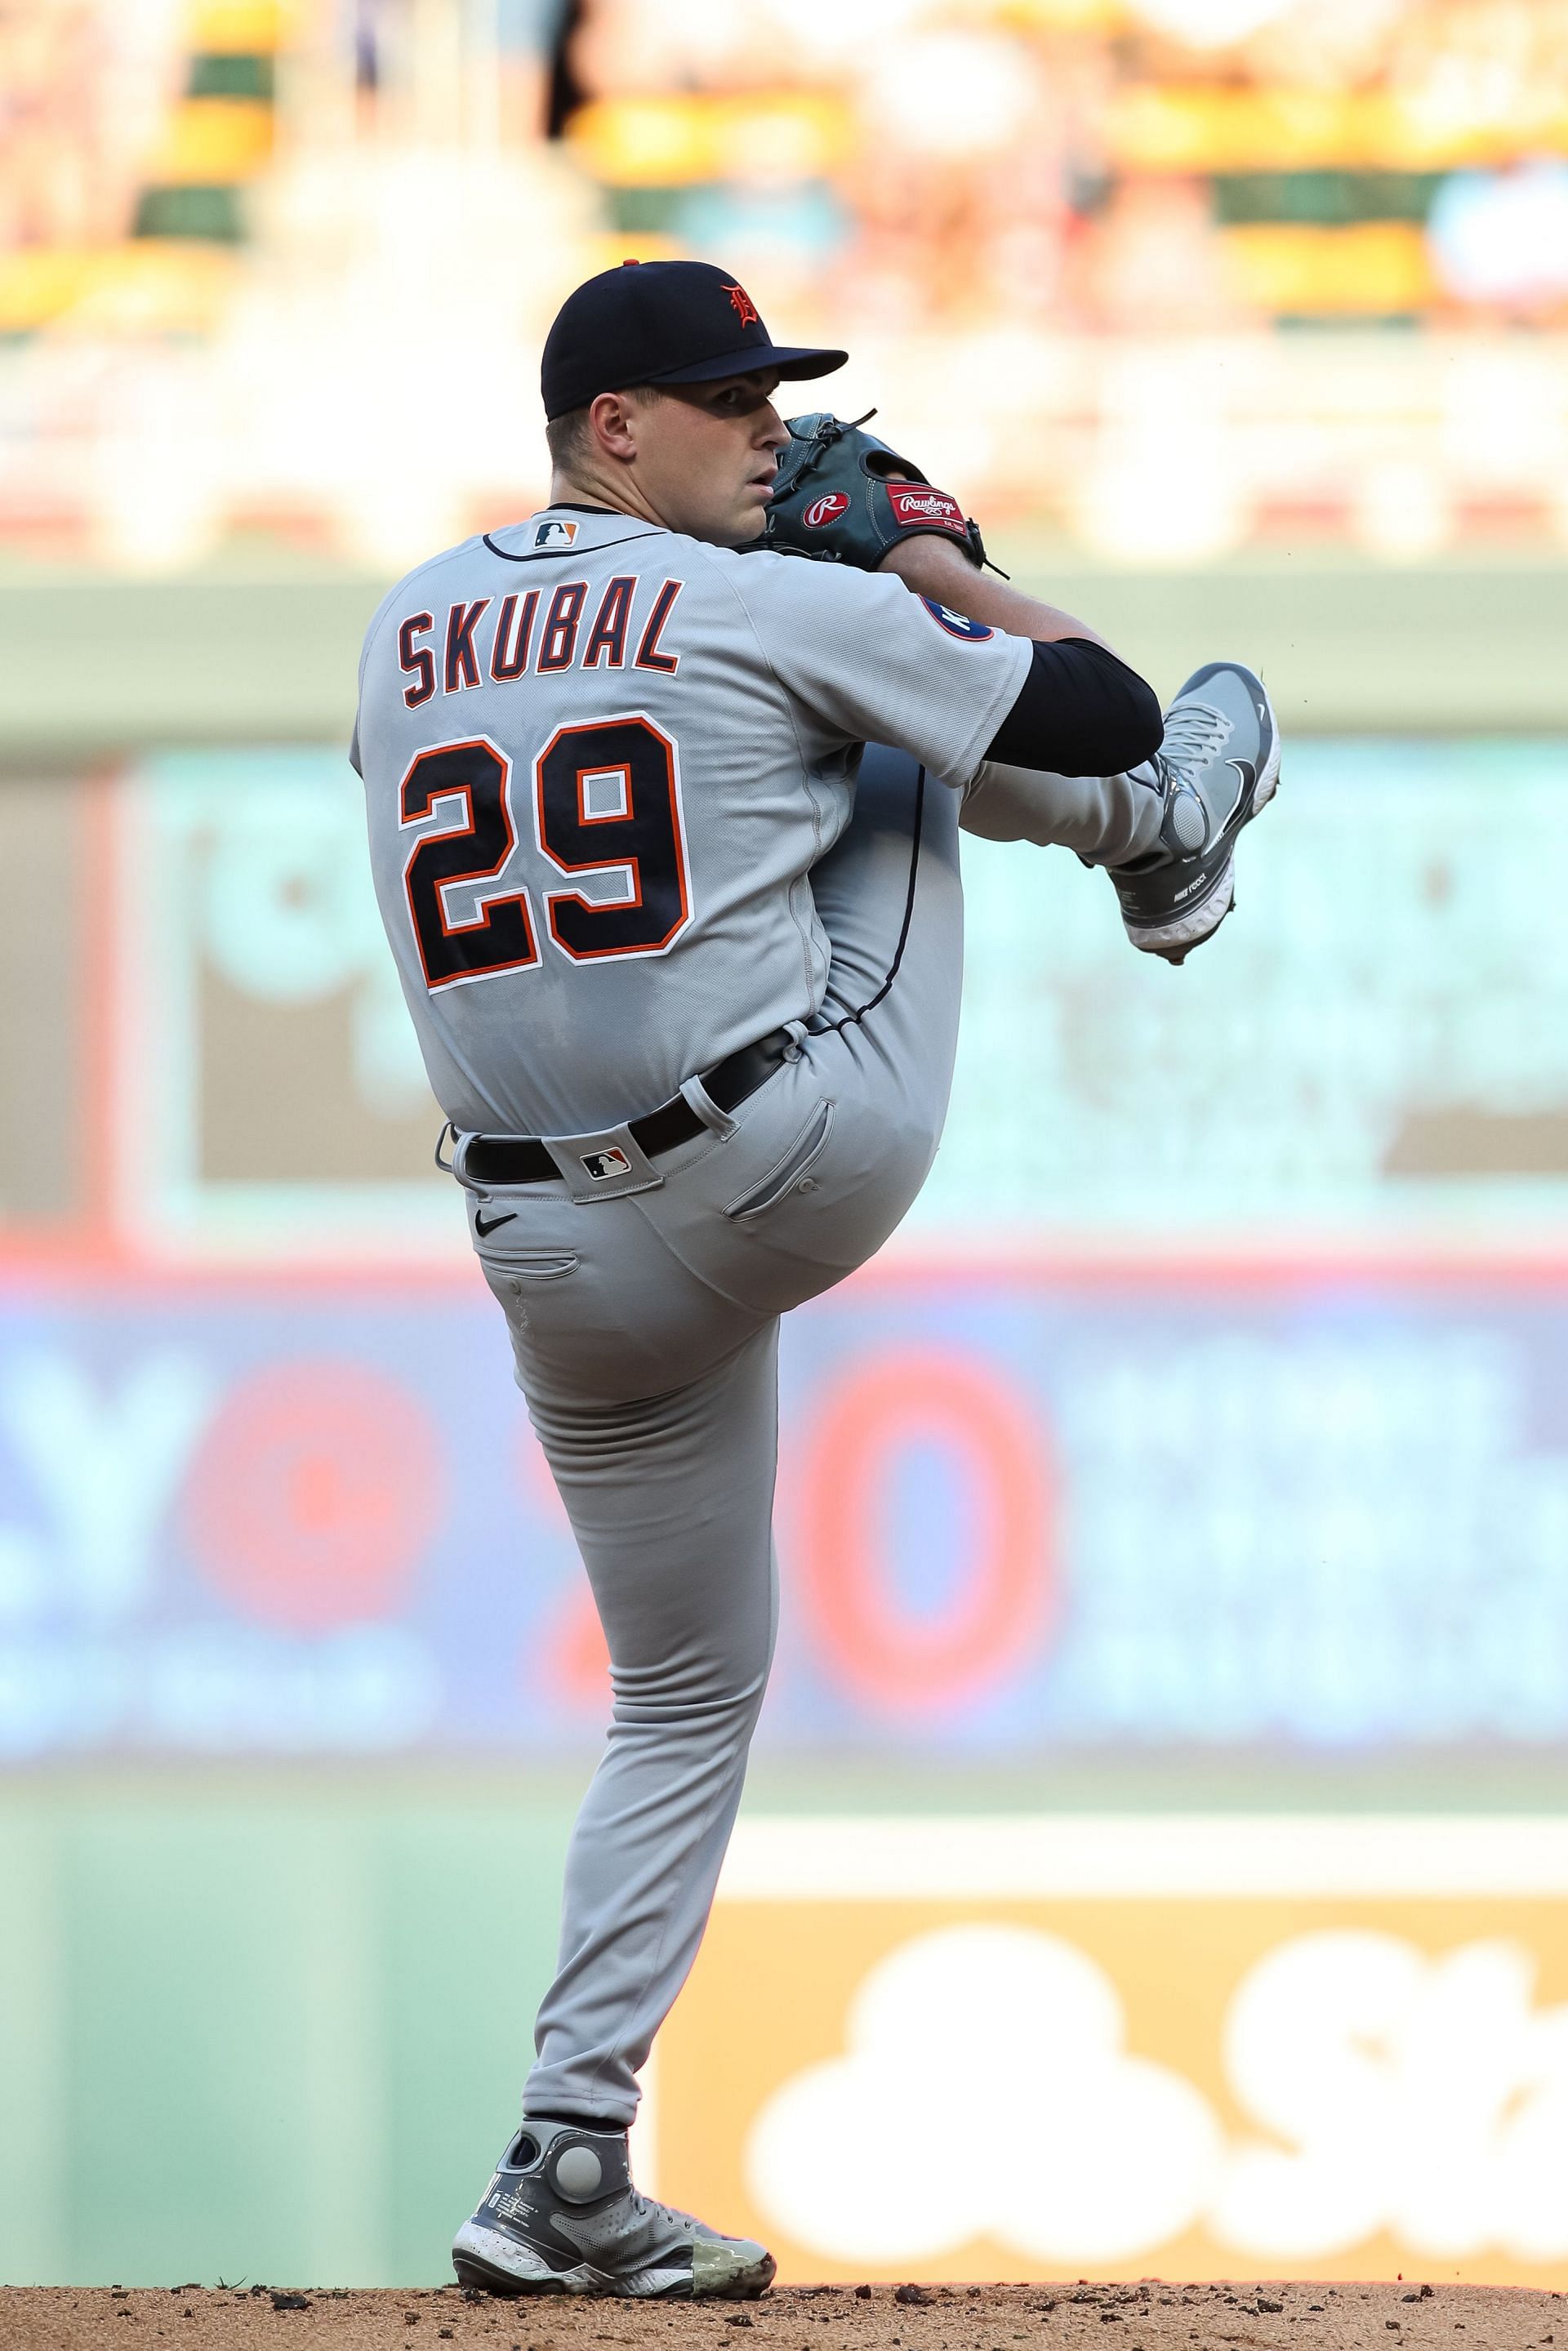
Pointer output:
x,y
1067,2145
106,1464
1426,2095
1422,2094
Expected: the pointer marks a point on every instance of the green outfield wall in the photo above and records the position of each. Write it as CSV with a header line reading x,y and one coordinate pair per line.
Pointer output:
x,y
270,2032
265,648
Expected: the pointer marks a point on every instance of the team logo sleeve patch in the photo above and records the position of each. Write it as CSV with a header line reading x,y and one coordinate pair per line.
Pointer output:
x,y
957,625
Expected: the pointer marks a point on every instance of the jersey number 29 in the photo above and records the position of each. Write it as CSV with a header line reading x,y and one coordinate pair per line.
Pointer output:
x,y
606,802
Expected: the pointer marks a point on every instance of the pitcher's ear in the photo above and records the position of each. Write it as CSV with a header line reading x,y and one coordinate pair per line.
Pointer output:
x,y
612,423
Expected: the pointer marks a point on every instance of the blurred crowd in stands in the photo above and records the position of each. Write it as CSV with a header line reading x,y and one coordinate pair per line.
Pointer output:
x,y
972,190
1095,164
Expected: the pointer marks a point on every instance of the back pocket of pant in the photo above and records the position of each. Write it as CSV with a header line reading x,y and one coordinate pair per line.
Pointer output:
x,y
536,1265
787,1172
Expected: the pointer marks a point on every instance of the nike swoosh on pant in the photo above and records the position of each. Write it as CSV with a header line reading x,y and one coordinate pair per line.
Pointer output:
x,y
482,1229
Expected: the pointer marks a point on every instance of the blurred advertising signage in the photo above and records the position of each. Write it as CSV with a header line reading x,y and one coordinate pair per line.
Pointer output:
x,y
1377,1046
274,1092
53,878
1178,2047
1015,1517
1378,1043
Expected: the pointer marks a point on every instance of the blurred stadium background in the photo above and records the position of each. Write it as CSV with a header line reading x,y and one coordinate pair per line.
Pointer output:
x,y
1186,1488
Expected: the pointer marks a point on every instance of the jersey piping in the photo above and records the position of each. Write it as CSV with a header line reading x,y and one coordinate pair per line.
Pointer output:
x,y
787,703
561,554
836,1027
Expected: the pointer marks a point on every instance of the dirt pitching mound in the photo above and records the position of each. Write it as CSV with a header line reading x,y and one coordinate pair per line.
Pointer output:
x,y
1149,2317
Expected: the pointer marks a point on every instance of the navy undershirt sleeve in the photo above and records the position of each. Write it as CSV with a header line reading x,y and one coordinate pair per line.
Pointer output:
x,y
1080,712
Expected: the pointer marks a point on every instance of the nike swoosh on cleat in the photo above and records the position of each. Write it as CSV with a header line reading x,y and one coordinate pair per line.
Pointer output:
x,y
1248,774
482,1229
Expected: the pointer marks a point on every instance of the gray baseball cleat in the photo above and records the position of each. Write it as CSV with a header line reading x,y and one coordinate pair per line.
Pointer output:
x,y
1216,767
562,2216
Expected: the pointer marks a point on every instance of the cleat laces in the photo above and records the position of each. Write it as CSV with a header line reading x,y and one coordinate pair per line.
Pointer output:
x,y
1196,733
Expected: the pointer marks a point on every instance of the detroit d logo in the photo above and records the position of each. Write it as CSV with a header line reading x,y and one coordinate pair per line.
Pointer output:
x,y
741,303
604,1166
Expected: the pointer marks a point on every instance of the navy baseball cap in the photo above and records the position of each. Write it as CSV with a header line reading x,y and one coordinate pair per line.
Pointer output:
x,y
662,322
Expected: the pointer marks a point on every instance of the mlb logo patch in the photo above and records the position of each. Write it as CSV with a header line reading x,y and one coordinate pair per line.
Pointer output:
x,y
555,534
825,509
917,502
604,1166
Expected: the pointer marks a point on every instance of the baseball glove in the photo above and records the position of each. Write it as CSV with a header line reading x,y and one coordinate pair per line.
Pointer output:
x,y
833,498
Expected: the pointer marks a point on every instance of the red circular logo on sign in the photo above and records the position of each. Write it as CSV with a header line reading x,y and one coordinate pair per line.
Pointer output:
x,y
314,1495
825,509
995,1623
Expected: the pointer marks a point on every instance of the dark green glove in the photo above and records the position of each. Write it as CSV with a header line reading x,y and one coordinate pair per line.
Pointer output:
x,y
832,498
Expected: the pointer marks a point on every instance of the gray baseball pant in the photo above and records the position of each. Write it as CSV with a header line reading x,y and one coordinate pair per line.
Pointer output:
x,y
644,1324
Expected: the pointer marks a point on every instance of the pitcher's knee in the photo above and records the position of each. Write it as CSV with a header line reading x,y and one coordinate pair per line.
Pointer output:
x,y
691,1696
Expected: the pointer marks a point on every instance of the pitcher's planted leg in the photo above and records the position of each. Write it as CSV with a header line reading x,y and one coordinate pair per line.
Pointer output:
x,y
671,1500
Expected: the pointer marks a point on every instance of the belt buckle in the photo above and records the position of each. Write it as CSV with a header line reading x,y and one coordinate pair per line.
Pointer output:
x,y
605,1165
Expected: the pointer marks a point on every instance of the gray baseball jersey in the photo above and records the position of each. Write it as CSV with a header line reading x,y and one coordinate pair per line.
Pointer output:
x,y
601,760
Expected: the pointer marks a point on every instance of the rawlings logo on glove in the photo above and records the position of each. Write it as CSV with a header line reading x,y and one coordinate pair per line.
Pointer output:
x,y
835,498
915,506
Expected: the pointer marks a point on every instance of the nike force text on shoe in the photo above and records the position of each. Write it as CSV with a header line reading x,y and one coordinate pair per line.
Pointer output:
x,y
562,2216
1216,767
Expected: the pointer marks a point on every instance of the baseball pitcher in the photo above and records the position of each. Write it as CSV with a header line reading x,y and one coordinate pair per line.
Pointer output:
x,y
663,820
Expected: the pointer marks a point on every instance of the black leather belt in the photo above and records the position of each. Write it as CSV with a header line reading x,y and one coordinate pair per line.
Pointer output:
x,y
520,1159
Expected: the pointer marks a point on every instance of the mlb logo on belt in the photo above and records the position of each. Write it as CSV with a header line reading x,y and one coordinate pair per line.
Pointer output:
x,y
916,502
602,1165
555,534
825,509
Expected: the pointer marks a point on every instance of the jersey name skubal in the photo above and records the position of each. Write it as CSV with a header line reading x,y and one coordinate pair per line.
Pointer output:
x,y
599,772
537,631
